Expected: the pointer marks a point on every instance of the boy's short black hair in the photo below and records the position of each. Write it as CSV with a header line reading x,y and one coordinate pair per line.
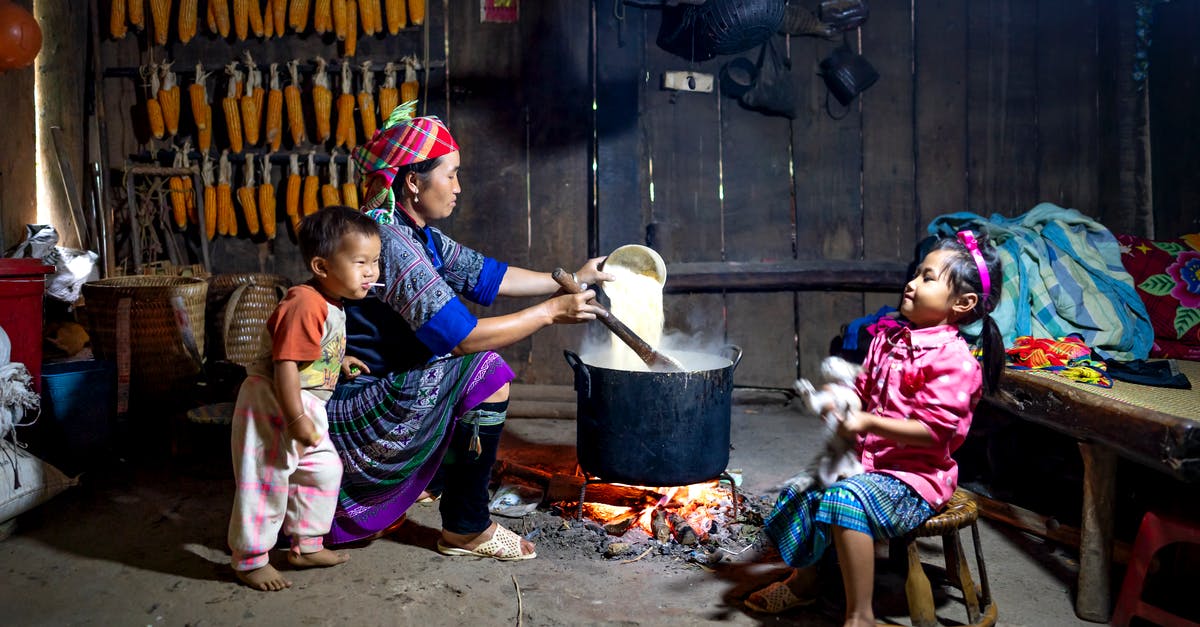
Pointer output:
x,y
320,233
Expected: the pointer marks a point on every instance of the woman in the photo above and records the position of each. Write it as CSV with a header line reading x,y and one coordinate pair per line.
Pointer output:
x,y
434,394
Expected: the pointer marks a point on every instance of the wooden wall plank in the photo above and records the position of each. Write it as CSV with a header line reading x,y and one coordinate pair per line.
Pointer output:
x,y
758,214
680,134
941,101
828,176
1002,149
620,192
1118,201
1175,137
1067,96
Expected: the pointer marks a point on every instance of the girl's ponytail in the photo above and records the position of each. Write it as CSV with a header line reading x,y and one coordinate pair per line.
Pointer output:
x,y
991,343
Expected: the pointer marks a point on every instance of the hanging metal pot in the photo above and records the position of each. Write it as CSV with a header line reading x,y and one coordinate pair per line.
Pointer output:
x,y
655,428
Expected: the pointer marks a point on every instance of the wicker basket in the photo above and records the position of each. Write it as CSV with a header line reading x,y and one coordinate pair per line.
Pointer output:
x,y
160,360
237,311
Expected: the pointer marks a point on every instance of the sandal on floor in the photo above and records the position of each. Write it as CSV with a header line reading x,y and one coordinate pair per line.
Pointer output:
x,y
429,498
776,598
504,545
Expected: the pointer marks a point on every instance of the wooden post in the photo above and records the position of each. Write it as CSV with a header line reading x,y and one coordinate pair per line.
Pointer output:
x,y
1092,601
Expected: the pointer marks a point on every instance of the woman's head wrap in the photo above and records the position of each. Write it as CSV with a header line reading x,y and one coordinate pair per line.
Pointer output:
x,y
402,140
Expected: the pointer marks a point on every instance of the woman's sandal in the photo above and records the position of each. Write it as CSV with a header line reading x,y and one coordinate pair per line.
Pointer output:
x,y
776,598
504,545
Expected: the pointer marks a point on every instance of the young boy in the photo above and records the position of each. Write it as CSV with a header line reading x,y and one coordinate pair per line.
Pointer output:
x,y
286,470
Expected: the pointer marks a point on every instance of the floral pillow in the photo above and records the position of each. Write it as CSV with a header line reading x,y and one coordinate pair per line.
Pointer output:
x,y
1167,276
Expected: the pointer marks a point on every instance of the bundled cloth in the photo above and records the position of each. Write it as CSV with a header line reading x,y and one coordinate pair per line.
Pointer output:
x,y
1062,276
16,390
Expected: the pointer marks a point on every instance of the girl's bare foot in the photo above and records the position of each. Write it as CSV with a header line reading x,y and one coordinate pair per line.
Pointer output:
x,y
320,559
472,542
266,579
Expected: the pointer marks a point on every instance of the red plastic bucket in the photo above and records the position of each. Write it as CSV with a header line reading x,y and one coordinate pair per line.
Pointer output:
x,y
22,283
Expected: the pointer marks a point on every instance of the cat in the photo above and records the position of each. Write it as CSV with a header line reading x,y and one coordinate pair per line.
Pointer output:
x,y
834,400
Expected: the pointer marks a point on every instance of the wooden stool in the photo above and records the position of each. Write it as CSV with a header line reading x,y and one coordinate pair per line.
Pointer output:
x,y
960,512
1155,532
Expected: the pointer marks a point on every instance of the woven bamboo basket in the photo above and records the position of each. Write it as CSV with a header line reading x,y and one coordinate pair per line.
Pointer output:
x,y
160,360
237,311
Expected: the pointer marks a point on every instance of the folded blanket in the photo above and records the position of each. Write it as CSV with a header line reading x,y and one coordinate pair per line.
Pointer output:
x,y
1062,276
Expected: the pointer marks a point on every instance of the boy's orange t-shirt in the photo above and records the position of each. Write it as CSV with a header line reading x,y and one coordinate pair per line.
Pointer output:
x,y
310,329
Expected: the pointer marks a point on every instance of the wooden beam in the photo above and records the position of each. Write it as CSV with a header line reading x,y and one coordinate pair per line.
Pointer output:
x,y
829,274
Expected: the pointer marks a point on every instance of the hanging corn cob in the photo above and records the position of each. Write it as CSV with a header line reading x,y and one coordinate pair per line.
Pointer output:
x,y
280,10
416,12
389,94
189,191
178,199
225,214
136,9
116,20
349,189
322,17
330,195
338,9
251,102
256,18
410,88
210,17
365,17
397,16
291,95
220,9
366,101
274,111
322,101
298,15
160,11
210,197
345,106
350,45
229,104
311,186
246,195
168,99
198,95
241,19
154,112
266,198
291,199
187,20
377,16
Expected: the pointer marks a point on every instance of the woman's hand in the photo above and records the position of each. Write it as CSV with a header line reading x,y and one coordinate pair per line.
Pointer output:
x,y
302,429
590,273
353,366
574,308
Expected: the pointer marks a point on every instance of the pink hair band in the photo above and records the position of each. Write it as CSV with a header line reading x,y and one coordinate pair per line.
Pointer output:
x,y
968,240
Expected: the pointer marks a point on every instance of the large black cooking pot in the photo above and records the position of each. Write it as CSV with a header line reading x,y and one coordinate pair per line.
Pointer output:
x,y
655,428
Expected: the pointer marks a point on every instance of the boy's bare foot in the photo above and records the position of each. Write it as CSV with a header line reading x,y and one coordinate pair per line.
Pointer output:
x,y
266,579
320,559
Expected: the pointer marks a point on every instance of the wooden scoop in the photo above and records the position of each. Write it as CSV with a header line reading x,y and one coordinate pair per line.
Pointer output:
x,y
655,360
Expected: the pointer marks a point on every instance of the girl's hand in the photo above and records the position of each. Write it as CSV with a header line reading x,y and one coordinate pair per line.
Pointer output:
x,y
353,366
304,431
590,273
855,423
574,308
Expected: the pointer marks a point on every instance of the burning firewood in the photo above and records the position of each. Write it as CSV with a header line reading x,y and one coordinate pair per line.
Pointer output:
x,y
683,532
621,524
658,522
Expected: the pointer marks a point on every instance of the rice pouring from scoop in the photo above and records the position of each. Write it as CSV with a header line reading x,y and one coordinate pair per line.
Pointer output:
x,y
636,300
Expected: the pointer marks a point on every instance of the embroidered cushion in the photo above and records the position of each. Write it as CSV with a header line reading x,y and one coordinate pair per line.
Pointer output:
x,y
1167,276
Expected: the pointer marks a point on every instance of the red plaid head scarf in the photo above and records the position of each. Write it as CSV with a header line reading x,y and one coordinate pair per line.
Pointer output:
x,y
402,140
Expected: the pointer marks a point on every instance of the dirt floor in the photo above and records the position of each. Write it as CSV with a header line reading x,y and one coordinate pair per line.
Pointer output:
x,y
143,542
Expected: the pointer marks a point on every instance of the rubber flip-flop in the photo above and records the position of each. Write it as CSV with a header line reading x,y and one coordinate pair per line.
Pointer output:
x,y
504,545
776,598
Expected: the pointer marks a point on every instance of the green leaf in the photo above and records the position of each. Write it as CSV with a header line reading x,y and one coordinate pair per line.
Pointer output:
x,y
1158,285
1186,318
1174,248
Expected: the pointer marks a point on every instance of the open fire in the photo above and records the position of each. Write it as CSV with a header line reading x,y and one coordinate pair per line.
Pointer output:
x,y
687,514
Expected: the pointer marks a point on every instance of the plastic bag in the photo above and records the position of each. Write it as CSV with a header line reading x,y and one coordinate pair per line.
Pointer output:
x,y
72,267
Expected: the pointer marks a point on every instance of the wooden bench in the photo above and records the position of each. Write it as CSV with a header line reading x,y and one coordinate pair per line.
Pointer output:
x,y
1156,427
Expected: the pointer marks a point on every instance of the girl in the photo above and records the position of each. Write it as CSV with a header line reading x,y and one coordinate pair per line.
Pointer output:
x,y
918,387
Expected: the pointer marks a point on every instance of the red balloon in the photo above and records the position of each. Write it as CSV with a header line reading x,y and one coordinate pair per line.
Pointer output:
x,y
20,36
